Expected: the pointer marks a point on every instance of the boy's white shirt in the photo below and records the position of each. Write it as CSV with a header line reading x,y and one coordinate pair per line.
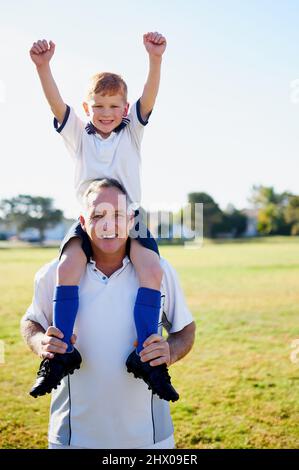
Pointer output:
x,y
109,407
116,157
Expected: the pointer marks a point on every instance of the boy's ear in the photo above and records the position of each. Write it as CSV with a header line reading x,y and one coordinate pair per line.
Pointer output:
x,y
126,110
86,108
82,222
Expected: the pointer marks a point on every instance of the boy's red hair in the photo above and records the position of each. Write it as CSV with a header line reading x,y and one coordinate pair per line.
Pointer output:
x,y
107,83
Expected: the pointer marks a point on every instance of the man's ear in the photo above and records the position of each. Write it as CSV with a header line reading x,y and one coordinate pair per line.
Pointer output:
x,y
82,222
86,108
126,110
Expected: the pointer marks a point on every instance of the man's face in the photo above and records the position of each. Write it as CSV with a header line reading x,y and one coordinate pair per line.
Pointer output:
x,y
106,221
106,112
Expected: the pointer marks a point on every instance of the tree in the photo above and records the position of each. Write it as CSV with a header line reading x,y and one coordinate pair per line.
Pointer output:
x,y
270,219
27,211
271,210
234,222
212,214
264,195
291,214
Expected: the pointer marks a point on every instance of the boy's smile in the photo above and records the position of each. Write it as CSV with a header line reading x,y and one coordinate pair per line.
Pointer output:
x,y
106,112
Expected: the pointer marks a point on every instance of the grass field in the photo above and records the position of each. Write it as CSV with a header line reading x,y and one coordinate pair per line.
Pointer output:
x,y
239,388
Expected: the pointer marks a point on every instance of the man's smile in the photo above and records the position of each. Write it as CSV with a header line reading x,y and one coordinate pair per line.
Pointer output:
x,y
109,237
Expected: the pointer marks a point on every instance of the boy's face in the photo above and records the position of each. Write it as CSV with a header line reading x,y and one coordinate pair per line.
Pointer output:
x,y
106,112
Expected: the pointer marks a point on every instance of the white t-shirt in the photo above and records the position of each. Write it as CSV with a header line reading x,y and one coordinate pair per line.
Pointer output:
x,y
116,157
101,405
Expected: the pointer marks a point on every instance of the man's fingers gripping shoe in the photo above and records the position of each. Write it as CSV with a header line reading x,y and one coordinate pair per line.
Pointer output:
x,y
157,378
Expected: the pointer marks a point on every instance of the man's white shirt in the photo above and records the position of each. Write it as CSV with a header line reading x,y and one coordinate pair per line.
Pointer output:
x,y
116,157
102,405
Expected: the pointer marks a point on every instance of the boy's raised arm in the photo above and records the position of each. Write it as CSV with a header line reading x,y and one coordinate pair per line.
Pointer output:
x,y
41,53
155,44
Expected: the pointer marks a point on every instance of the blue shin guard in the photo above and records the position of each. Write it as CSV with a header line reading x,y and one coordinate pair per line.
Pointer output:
x,y
65,308
146,314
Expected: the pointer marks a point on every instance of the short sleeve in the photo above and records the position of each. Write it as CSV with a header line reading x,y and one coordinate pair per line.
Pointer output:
x,y
135,123
71,130
40,310
175,314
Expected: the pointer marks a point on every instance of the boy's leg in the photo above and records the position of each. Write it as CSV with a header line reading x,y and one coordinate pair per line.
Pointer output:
x,y
146,315
66,300
75,252
65,307
147,305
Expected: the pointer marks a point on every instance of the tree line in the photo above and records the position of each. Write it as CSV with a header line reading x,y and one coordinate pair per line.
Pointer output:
x,y
26,211
277,213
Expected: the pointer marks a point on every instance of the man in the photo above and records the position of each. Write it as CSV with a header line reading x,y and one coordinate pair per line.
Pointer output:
x,y
102,405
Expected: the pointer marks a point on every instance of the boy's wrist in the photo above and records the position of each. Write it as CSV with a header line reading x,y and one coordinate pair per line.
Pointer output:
x,y
42,67
156,59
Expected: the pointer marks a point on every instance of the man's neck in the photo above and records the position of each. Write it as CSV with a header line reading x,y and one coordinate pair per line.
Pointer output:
x,y
108,263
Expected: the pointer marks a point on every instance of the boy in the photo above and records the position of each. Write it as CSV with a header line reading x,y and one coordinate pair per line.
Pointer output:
x,y
108,146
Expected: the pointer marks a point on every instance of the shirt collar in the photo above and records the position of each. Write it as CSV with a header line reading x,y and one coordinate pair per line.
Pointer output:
x,y
90,128
125,262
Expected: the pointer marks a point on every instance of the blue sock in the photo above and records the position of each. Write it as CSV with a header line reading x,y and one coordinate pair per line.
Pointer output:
x,y
65,308
146,314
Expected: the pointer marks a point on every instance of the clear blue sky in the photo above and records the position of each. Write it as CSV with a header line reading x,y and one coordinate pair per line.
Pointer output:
x,y
223,121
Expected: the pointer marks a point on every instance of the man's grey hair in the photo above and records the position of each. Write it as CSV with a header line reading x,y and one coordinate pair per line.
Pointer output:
x,y
97,184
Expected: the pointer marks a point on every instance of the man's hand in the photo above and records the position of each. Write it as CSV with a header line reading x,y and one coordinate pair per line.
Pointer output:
x,y
156,351
154,43
52,343
42,52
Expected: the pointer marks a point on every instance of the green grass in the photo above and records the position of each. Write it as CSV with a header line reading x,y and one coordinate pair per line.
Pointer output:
x,y
238,387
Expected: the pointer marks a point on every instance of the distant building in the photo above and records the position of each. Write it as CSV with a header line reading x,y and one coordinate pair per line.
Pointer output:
x,y
252,216
53,234
162,227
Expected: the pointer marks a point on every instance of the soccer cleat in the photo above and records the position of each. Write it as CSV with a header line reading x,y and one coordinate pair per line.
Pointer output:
x,y
156,377
52,371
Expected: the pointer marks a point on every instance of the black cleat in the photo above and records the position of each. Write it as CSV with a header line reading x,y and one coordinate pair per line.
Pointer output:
x,y
156,377
52,371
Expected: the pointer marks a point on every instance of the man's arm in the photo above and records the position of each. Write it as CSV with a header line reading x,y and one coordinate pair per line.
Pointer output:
x,y
41,53
181,343
41,342
155,44
158,351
